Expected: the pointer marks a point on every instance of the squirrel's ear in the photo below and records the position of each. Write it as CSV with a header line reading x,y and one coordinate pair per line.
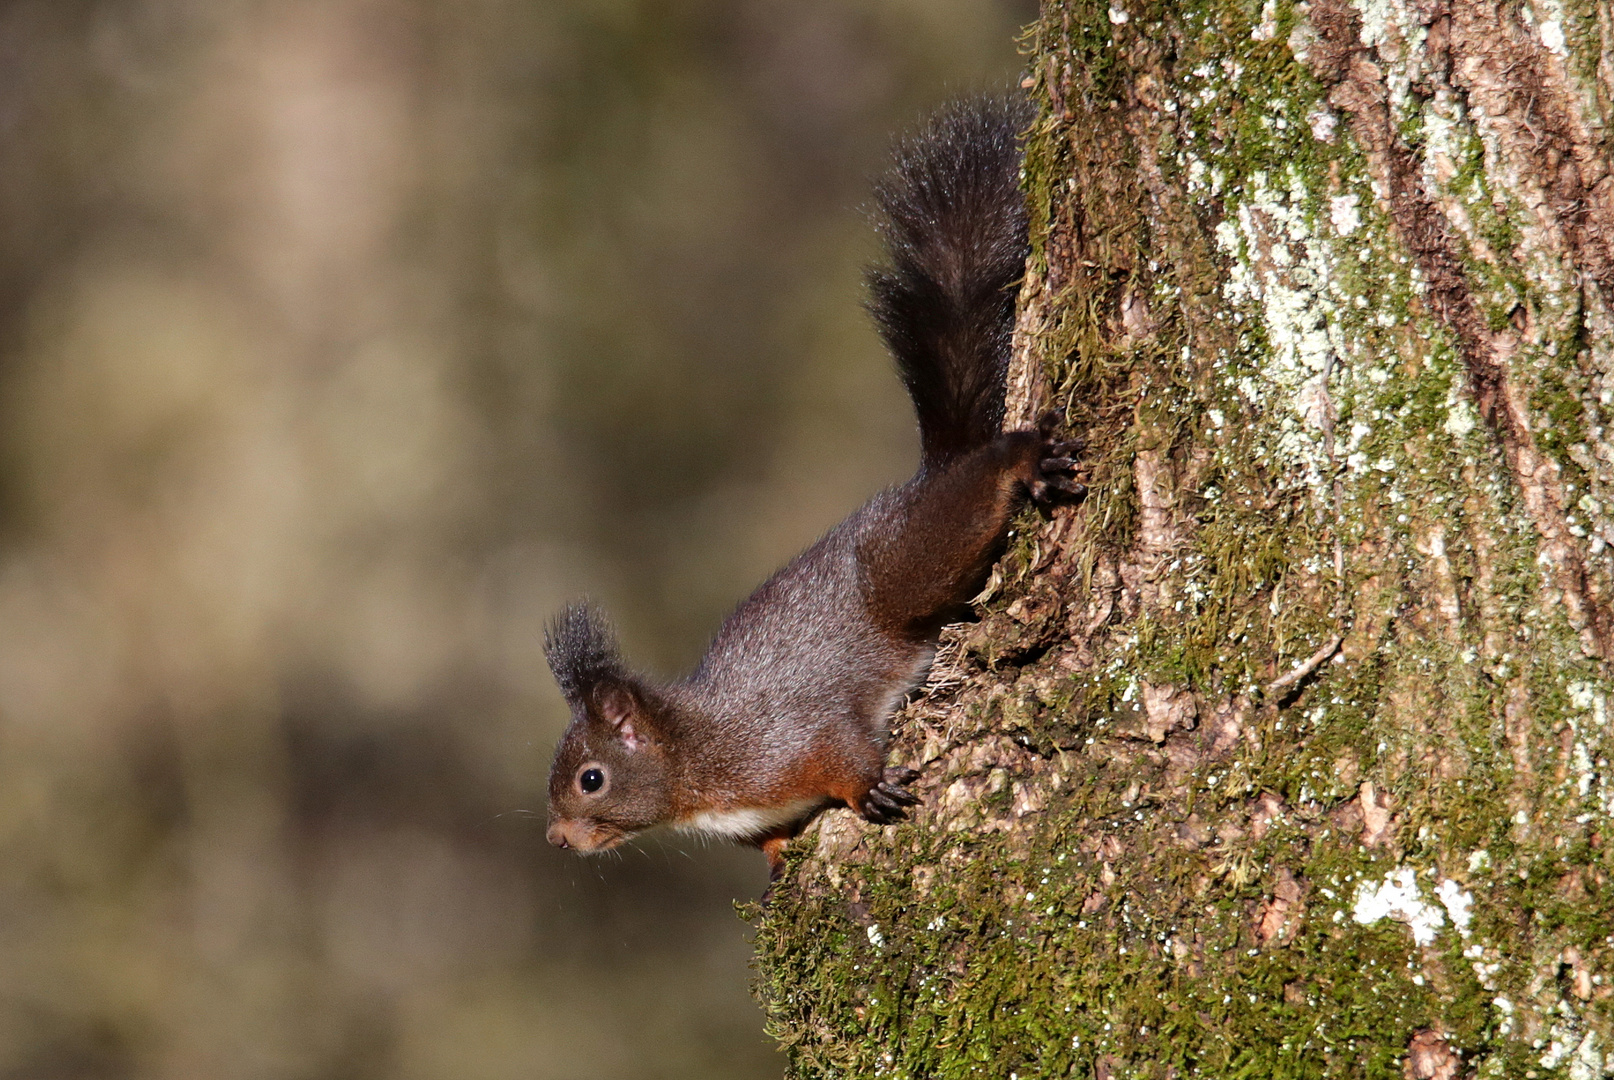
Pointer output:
x,y
582,651
618,707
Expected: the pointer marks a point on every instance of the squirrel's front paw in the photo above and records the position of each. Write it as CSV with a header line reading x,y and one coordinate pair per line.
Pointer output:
x,y
887,801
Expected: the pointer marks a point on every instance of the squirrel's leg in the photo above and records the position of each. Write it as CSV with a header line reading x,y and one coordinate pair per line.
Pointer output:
x,y
948,528
773,846
884,802
853,774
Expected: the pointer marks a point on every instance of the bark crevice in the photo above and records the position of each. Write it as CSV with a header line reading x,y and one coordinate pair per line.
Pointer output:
x,y
1357,86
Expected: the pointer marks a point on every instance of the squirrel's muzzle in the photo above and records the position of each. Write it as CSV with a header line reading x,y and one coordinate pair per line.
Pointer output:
x,y
583,835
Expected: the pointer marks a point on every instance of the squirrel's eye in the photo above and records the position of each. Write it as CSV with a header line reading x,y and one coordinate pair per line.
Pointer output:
x,y
591,780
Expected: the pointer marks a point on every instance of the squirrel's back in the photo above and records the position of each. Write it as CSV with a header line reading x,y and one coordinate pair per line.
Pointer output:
x,y
953,219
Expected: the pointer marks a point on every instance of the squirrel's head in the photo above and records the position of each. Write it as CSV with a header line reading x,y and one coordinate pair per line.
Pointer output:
x,y
609,779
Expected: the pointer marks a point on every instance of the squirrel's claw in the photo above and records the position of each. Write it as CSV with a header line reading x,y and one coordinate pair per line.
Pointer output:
x,y
1048,491
1052,484
887,801
880,809
1074,488
900,796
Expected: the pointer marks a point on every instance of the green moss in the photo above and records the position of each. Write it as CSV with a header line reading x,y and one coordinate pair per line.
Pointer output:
x,y
1039,966
1118,928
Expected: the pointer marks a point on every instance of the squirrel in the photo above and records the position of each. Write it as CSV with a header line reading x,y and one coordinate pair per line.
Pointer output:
x,y
788,712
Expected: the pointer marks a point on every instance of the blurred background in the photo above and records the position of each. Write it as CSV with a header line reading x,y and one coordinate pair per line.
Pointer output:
x,y
341,342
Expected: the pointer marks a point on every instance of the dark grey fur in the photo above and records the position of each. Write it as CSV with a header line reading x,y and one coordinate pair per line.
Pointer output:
x,y
581,650
954,223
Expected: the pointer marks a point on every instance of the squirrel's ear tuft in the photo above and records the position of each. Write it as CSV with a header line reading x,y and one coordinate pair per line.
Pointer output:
x,y
582,651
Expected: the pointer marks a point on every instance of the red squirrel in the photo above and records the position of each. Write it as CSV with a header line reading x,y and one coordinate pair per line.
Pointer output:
x,y
788,712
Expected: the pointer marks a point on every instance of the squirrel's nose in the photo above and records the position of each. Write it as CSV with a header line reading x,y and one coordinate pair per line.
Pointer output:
x,y
557,836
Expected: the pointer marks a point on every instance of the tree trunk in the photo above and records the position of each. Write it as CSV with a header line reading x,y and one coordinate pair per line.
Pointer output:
x,y
1287,752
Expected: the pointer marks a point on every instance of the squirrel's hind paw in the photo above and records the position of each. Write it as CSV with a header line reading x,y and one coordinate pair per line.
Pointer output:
x,y
1051,483
1051,489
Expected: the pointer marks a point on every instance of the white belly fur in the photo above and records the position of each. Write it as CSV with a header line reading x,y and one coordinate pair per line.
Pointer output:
x,y
747,822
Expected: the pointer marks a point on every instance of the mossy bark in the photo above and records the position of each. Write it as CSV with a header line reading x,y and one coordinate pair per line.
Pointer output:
x,y
1287,752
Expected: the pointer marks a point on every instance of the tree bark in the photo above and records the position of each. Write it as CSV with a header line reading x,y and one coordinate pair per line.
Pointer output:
x,y
1286,753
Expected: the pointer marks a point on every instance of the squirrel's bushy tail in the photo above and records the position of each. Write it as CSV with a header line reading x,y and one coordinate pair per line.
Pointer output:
x,y
954,223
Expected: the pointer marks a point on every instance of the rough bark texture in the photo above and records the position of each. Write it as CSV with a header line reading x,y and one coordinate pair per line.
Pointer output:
x,y
1287,752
